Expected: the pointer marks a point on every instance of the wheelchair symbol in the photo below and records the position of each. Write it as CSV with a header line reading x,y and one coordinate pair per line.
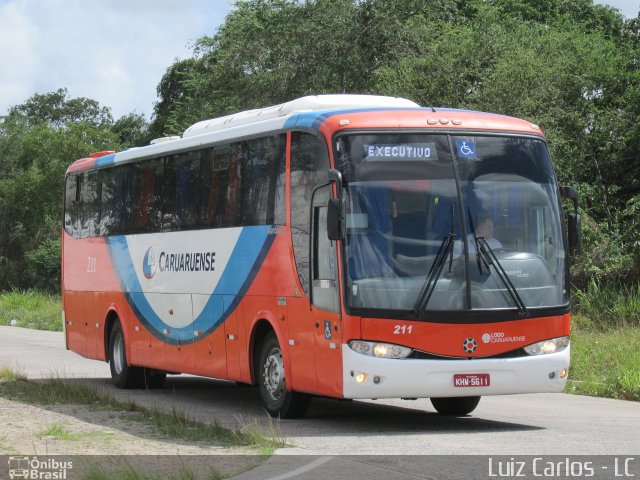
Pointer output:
x,y
466,149
327,330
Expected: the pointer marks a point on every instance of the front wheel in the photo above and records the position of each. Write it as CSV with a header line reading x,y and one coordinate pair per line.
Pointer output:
x,y
457,406
278,401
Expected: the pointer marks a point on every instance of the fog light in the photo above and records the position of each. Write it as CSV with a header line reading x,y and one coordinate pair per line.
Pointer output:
x,y
361,377
563,372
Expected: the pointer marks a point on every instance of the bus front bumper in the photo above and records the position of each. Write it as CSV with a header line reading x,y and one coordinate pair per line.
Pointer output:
x,y
370,377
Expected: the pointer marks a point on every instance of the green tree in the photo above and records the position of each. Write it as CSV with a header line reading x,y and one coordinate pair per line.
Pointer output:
x,y
38,141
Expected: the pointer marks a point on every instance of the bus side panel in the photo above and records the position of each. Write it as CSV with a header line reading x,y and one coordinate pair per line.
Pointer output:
x,y
178,357
252,310
266,299
74,324
85,300
233,340
210,351
87,273
302,345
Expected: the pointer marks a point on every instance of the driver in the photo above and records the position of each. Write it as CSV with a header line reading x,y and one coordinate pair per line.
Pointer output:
x,y
484,229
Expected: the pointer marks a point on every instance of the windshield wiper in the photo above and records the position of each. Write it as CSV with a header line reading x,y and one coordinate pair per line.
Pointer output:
x,y
489,258
446,248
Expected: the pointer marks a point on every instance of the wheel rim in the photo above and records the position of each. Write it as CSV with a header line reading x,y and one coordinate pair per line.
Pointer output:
x,y
273,374
118,353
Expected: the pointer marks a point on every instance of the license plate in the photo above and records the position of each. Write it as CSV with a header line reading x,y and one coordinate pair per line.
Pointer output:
x,y
471,380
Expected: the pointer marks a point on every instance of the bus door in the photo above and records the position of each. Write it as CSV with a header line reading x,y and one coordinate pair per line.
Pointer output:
x,y
324,294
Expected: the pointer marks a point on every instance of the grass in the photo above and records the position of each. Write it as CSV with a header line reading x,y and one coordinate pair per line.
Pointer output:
x,y
605,363
605,342
31,309
604,307
175,425
59,432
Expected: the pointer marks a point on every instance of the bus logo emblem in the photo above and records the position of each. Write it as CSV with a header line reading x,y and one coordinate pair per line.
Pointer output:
x,y
469,345
149,264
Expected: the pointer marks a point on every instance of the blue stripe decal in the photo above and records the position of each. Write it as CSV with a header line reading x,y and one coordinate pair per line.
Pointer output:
x,y
106,160
317,118
248,254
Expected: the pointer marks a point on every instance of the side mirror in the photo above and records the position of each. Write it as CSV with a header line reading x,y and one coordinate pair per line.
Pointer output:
x,y
574,225
334,219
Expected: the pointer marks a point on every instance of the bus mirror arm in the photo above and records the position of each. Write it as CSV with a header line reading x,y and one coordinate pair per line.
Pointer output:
x,y
574,224
336,177
335,218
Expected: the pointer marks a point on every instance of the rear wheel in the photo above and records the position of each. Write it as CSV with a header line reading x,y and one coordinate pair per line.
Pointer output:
x,y
278,401
457,406
122,374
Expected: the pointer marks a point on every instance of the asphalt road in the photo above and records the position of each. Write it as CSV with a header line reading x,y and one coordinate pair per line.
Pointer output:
x,y
538,424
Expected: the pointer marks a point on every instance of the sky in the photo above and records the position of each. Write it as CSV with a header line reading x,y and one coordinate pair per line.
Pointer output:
x,y
112,51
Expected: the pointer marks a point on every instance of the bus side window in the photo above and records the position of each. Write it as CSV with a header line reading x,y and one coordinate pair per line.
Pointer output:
x,y
90,201
109,198
146,194
263,181
218,184
187,190
72,208
233,197
309,167
167,190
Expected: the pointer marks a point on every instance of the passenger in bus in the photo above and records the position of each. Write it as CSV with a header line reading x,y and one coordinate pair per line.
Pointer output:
x,y
483,229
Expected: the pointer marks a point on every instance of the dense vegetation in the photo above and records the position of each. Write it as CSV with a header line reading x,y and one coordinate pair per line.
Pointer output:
x,y
568,65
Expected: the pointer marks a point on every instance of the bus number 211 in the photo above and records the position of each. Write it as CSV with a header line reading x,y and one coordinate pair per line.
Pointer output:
x,y
402,329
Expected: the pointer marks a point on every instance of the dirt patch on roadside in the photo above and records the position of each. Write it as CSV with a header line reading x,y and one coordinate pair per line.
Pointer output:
x,y
92,431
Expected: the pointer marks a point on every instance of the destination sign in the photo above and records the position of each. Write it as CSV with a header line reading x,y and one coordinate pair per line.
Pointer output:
x,y
405,151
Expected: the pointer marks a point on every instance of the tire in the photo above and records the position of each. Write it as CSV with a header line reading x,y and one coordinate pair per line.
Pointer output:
x,y
278,401
455,406
122,374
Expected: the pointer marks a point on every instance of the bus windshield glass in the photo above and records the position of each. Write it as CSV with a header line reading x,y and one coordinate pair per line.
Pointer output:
x,y
449,223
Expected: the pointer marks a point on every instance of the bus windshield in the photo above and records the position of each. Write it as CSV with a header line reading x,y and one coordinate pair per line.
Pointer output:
x,y
446,223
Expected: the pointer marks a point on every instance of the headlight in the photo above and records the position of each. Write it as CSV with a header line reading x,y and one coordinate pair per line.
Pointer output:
x,y
548,346
380,350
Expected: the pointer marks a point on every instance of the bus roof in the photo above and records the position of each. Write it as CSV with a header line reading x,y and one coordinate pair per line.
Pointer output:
x,y
320,112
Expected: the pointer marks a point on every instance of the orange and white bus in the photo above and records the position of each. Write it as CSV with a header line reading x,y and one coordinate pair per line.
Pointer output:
x,y
345,246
